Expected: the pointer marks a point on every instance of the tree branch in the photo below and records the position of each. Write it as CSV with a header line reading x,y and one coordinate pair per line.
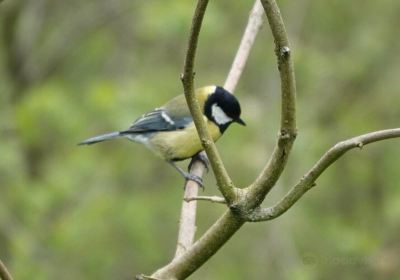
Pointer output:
x,y
308,180
187,221
188,213
246,44
203,249
228,224
224,182
4,273
216,236
277,162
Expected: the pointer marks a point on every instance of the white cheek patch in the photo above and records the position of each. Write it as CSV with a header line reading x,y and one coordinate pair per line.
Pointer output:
x,y
167,118
219,115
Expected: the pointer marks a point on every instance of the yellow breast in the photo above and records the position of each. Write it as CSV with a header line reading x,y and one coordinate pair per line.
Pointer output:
x,y
181,144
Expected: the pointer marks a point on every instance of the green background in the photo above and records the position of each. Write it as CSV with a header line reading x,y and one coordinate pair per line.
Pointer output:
x,y
73,69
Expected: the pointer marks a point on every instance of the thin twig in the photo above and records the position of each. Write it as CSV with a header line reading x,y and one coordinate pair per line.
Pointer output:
x,y
187,221
254,24
215,199
308,180
4,273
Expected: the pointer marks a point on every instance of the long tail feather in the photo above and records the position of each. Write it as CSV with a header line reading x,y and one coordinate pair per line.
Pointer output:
x,y
100,138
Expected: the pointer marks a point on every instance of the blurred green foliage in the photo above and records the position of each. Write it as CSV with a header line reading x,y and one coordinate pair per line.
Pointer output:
x,y
74,69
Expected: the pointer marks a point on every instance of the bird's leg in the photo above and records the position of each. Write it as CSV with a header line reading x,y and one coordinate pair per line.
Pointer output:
x,y
187,175
201,157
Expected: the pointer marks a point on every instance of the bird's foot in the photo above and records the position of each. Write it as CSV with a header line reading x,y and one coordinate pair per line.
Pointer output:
x,y
187,175
201,157
194,178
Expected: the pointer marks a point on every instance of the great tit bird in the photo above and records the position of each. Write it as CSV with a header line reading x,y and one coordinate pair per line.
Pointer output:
x,y
169,131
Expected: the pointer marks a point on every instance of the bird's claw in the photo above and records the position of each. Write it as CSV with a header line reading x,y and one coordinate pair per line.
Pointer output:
x,y
201,157
194,178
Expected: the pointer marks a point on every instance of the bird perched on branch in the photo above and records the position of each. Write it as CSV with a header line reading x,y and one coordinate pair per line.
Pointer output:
x,y
169,131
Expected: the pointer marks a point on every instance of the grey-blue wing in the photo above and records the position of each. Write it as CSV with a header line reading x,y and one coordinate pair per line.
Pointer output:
x,y
158,120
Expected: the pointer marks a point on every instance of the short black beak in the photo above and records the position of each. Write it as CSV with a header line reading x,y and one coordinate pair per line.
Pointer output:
x,y
240,121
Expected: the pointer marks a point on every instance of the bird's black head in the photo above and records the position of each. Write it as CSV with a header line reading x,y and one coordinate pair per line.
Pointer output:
x,y
222,108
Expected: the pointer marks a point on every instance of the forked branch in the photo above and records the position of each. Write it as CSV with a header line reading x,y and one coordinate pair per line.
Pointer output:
x,y
191,259
187,226
219,233
250,198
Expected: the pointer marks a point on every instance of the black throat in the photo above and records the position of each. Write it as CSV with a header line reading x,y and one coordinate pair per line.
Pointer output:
x,y
223,127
